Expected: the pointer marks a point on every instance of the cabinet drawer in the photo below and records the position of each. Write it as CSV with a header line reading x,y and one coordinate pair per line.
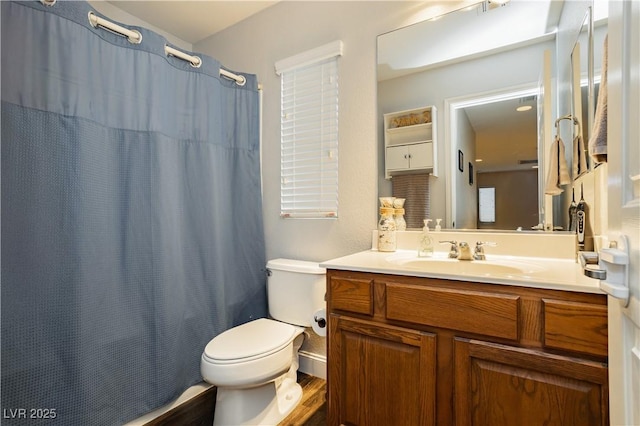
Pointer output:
x,y
578,327
489,314
351,295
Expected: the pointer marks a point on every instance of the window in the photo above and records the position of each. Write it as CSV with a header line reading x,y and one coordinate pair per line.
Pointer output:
x,y
309,133
487,205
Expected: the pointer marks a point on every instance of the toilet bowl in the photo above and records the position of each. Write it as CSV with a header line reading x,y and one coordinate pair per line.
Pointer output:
x,y
254,365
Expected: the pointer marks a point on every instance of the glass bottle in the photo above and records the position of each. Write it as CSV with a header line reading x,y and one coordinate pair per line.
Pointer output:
x,y
398,214
426,242
387,230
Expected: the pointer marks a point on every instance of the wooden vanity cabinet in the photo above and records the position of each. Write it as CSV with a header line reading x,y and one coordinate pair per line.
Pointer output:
x,y
421,351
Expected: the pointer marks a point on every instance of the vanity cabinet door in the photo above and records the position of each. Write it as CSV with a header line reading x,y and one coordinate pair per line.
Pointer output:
x,y
503,385
380,374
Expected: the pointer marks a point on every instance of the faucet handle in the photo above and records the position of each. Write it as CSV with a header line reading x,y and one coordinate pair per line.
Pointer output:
x,y
453,250
479,250
486,243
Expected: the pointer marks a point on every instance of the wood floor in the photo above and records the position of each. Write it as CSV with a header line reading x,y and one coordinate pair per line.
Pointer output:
x,y
311,411
312,408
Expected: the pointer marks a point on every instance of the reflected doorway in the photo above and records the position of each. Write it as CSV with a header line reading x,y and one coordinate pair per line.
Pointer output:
x,y
498,136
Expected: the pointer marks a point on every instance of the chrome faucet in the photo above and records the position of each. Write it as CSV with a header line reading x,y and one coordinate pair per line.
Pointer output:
x,y
460,251
465,252
478,253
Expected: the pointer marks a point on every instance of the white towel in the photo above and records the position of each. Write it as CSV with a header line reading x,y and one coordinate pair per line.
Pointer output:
x,y
598,139
558,169
579,156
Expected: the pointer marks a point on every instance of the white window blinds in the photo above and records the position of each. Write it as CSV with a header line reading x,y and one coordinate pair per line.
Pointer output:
x,y
309,133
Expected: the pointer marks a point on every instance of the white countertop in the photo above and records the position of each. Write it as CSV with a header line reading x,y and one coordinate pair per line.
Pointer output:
x,y
534,272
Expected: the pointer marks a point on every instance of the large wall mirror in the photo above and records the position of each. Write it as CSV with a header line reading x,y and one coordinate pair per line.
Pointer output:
x,y
483,68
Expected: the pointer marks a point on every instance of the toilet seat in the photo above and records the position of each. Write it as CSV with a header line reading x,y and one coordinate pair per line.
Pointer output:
x,y
250,341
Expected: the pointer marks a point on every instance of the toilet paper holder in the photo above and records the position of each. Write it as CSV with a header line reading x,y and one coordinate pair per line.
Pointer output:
x,y
322,323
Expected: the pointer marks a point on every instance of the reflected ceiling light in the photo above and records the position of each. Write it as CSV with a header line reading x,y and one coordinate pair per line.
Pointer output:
x,y
524,108
478,160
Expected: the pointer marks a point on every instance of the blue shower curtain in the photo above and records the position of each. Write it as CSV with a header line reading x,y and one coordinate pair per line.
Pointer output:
x,y
131,217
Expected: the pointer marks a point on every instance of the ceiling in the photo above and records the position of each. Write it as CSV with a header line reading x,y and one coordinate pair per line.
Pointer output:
x,y
192,21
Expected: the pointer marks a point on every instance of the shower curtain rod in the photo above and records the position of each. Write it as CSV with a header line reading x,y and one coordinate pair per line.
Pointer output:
x,y
135,37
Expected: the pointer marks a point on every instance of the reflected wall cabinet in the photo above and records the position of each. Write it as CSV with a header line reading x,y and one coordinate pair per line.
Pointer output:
x,y
410,141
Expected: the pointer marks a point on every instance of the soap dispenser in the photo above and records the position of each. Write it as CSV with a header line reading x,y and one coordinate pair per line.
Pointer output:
x,y
426,242
438,228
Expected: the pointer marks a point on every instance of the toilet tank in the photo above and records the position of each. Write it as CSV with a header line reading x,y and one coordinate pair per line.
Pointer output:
x,y
295,290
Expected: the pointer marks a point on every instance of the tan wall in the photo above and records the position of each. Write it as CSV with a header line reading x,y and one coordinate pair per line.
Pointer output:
x,y
516,198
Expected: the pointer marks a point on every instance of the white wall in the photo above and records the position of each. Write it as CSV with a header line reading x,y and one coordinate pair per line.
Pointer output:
x,y
286,29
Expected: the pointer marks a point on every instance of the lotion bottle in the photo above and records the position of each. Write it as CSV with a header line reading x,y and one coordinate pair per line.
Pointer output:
x,y
426,242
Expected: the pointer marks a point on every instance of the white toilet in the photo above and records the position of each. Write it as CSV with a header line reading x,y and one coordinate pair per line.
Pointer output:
x,y
254,365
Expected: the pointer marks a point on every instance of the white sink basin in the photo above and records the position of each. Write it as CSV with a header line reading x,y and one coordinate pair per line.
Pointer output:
x,y
491,267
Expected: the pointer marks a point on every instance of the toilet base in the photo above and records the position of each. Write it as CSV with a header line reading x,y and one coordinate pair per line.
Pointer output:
x,y
267,404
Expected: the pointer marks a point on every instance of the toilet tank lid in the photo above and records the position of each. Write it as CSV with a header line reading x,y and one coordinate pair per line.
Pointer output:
x,y
291,265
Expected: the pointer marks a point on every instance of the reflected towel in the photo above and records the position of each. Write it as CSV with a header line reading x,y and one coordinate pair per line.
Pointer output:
x,y
579,156
415,188
558,169
598,140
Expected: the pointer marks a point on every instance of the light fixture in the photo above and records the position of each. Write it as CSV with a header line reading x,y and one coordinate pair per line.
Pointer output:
x,y
524,108
478,160
488,5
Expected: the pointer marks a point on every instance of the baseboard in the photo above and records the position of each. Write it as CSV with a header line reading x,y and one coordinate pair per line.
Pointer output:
x,y
197,411
313,364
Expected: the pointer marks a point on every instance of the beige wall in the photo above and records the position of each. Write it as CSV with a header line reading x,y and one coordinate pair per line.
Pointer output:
x,y
516,198
466,195
286,29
